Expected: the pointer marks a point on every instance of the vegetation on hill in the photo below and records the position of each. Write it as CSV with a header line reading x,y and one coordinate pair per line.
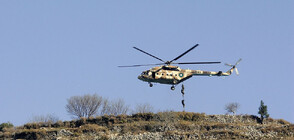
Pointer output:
x,y
162,125
263,111
143,124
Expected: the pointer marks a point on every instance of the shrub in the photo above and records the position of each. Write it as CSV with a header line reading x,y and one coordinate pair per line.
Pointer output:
x,y
92,128
198,116
168,116
58,124
49,119
256,118
282,121
232,107
31,134
32,126
131,127
81,121
143,108
143,116
121,118
184,125
219,126
190,116
270,119
5,125
116,107
185,116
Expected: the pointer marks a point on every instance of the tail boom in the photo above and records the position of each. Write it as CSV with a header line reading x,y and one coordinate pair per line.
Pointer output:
x,y
211,73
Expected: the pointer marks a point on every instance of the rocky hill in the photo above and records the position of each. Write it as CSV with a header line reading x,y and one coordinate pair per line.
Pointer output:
x,y
163,125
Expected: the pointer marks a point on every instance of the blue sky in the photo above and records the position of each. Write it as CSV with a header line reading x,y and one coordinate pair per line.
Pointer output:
x,y
52,50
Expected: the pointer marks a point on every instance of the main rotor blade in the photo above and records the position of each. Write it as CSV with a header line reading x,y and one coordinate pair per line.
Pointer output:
x,y
142,65
184,53
197,63
148,54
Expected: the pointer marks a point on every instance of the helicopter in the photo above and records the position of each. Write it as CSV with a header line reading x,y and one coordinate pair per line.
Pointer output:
x,y
173,75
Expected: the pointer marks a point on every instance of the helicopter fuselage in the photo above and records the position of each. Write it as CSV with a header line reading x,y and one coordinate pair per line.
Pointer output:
x,y
174,75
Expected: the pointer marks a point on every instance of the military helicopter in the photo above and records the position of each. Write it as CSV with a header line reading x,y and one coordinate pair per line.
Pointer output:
x,y
173,75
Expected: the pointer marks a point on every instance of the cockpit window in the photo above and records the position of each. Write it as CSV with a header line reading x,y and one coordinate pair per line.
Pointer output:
x,y
144,73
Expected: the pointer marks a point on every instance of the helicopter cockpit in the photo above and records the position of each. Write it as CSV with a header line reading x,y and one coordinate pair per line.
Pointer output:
x,y
145,72
144,75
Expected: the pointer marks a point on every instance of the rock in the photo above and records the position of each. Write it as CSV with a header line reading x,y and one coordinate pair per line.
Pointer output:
x,y
64,132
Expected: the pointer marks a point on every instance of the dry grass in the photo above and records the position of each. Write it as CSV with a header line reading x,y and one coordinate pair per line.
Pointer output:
x,y
282,121
191,116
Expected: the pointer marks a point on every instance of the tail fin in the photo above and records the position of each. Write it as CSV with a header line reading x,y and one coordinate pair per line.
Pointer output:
x,y
230,71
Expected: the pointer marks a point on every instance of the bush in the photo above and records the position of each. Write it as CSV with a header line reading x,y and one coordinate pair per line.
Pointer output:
x,y
143,116
92,128
32,125
143,108
282,121
58,124
121,118
49,119
190,116
184,125
270,119
5,125
31,134
168,116
232,107
117,107
187,116
81,121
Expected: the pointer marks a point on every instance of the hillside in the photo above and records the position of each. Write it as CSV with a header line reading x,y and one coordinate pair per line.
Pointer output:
x,y
162,125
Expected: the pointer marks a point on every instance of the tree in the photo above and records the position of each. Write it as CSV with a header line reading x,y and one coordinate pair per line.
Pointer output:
x,y
114,107
49,118
143,108
119,107
232,107
83,106
105,107
263,111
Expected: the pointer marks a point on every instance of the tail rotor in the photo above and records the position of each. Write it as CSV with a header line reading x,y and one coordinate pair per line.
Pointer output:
x,y
234,66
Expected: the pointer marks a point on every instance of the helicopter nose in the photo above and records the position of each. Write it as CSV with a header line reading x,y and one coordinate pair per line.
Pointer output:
x,y
140,77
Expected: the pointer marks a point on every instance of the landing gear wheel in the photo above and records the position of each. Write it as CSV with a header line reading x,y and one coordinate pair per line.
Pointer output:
x,y
150,85
172,87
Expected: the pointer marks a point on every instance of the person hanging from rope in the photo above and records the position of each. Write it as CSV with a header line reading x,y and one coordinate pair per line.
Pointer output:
x,y
183,103
182,91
